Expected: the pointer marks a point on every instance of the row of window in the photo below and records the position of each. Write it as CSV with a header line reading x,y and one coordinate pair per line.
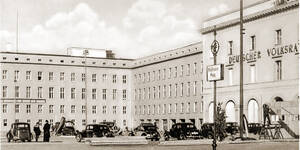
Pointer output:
x,y
162,74
165,91
278,41
62,109
62,93
167,108
28,76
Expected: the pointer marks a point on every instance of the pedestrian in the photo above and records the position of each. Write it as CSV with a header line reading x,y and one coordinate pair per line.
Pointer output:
x,y
37,131
46,129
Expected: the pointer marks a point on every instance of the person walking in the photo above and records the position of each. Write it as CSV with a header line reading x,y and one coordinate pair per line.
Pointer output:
x,y
37,131
46,129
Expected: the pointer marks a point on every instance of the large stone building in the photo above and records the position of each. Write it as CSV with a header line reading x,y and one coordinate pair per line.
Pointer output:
x,y
271,62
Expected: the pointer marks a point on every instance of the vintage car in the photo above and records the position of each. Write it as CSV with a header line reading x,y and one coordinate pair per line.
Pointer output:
x,y
207,130
19,131
112,126
68,128
147,129
254,128
232,128
183,131
93,130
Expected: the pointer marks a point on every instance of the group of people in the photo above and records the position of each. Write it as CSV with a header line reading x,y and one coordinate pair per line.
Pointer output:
x,y
46,130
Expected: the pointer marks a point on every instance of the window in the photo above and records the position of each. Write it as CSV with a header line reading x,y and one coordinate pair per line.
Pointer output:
x,y
40,74
253,42
62,109
278,70
124,109
158,75
188,69
50,76
170,73
115,94
230,47
164,91
158,109
83,77
17,91
62,93
170,90
40,108
201,106
124,79
62,76
83,122
17,108
140,94
195,88
83,93
4,74
17,75
164,74
124,123
252,73
28,75
149,76
164,108
83,109
181,107
28,92
72,109
153,76
144,93
230,73
149,93
50,109
4,108
278,37
72,93
114,109
195,68
72,76
175,108
104,94
188,89
144,77
181,70
181,93
170,108
40,92
144,109
5,122
175,72
94,109
94,77
154,91
124,94
104,78
175,90
94,93
159,92
4,91
114,78
104,109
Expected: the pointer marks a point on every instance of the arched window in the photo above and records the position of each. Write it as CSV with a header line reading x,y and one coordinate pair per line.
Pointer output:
x,y
211,113
230,112
252,111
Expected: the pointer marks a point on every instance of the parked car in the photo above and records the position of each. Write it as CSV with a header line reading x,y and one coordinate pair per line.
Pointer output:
x,y
19,131
112,126
184,130
254,128
232,128
207,130
68,128
94,130
149,130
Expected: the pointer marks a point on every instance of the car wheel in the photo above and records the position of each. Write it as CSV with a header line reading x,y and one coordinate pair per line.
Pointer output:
x,y
181,136
209,136
78,137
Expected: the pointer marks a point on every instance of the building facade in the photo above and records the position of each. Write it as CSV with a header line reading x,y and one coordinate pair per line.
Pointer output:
x,y
271,62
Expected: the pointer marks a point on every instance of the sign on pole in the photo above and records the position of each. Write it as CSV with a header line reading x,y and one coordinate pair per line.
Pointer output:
x,y
215,72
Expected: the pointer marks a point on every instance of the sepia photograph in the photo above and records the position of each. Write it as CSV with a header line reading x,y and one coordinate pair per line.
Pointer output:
x,y
149,74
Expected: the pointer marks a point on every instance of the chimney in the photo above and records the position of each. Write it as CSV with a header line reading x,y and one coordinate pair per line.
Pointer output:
x,y
110,54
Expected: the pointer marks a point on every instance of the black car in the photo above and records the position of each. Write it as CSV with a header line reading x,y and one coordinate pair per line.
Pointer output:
x,y
94,130
112,126
207,130
19,131
184,130
232,128
68,128
149,130
254,128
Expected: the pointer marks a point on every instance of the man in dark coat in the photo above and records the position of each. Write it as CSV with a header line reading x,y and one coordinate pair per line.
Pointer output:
x,y
37,131
46,129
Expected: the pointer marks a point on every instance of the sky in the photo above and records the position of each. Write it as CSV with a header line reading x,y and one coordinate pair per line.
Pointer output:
x,y
131,28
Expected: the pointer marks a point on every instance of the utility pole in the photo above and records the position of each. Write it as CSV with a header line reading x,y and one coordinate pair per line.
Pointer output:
x,y
85,53
241,71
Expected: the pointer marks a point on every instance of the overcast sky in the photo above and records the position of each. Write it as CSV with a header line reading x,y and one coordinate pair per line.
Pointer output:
x,y
131,28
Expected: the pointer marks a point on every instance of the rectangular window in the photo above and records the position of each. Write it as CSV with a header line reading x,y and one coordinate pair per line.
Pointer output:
x,y
104,77
158,109
149,93
72,109
114,109
181,70
252,73
62,93
17,91
114,78
4,108
17,108
4,74
115,94
28,75
140,94
124,109
40,92
154,93
124,123
201,106
175,108
164,108
83,109
188,69
278,37
17,75
149,76
175,90
175,72
28,92
170,73
278,70
230,76
104,109
94,109
188,107
144,109
62,109
50,76
170,90
40,108
83,93
94,93
195,68
50,109
253,42
72,76
230,47
5,122
170,108
83,77
124,79
94,77
181,93
158,75
40,75
164,74
188,89
124,94
61,76
148,110
4,91
83,122
181,107
164,91
153,76
195,88
104,94
72,93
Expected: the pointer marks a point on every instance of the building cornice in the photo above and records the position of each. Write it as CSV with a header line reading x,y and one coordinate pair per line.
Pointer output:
x,y
252,17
